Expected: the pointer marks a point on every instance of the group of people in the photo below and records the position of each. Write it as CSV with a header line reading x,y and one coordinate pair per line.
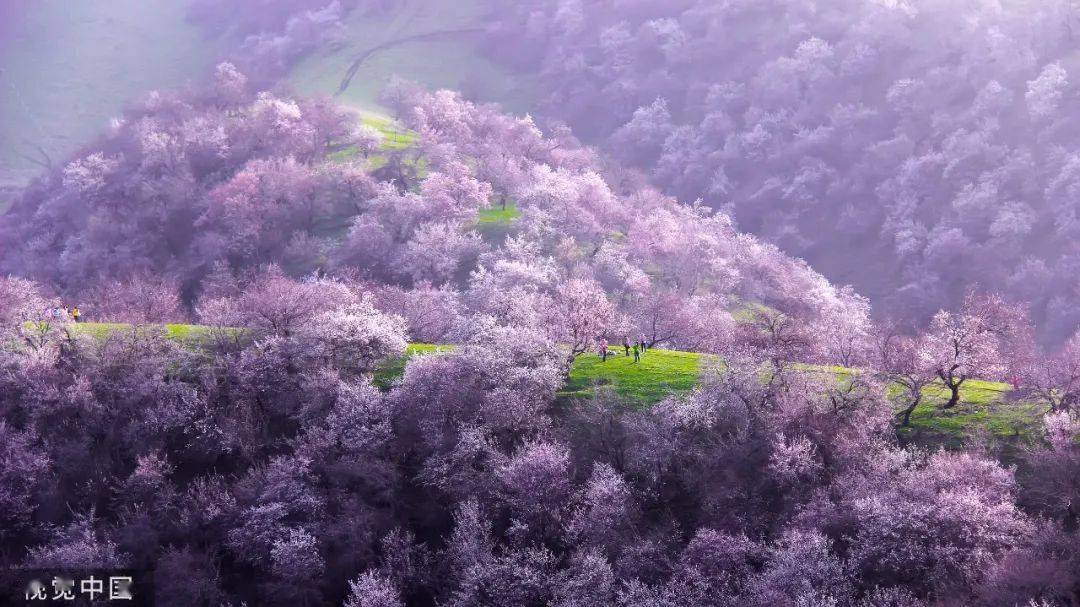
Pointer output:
x,y
638,348
63,313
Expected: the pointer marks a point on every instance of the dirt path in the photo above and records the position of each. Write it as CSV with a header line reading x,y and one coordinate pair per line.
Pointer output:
x,y
362,57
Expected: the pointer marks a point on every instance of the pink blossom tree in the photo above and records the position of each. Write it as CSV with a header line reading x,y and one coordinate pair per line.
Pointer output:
x,y
367,139
641,140
25,313
279,305
663,318
1055,380
505,173
846,329
24,469
441,252
141,299
78,545
370,589
470,545
967,344
605,511
899,361
535,488
454,193
430,312
355,337
780,338
936,526
230,84
580,316
1054,489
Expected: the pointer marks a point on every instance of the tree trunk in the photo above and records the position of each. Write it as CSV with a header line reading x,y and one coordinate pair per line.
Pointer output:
x,y
954,399
906,413
568,366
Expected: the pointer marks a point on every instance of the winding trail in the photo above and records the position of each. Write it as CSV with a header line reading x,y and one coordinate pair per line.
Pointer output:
x,y
362,57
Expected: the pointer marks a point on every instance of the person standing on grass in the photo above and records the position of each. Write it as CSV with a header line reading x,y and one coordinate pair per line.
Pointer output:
x,y
603,350
75,314
637,353
626,345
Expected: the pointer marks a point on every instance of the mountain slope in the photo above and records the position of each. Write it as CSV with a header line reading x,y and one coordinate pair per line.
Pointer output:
x,y
66,68
436,43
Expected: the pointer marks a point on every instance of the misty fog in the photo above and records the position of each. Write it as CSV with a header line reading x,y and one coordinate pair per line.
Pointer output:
x,y
549,302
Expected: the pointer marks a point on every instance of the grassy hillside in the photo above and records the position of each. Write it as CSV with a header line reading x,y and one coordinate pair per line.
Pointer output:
x,y
179,332
67,67
434,42
658,374
391,370
985,407
494,223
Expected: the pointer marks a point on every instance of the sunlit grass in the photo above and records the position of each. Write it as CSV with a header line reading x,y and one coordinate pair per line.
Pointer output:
x,y
496,215
658,374
395,139
985,407
184,333
494,222
391,370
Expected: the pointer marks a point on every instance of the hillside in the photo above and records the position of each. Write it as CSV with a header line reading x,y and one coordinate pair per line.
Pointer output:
x,y
387,389
785,172
985,407
67,68
435,43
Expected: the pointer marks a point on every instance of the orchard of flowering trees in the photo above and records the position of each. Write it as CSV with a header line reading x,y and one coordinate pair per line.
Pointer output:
x,y
927,135
192,195
270,470
277,460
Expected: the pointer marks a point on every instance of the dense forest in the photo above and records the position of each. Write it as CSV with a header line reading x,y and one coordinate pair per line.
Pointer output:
x,y
923,135
913,148
322,356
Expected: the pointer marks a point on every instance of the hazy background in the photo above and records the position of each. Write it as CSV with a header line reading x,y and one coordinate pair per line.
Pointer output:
x,y
67,68
888,142
338,337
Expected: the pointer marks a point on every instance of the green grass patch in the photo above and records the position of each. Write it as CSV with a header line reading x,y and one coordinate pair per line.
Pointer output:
x,y
391,369
659,374
494,222
395,139
496,215
984,409
183,333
